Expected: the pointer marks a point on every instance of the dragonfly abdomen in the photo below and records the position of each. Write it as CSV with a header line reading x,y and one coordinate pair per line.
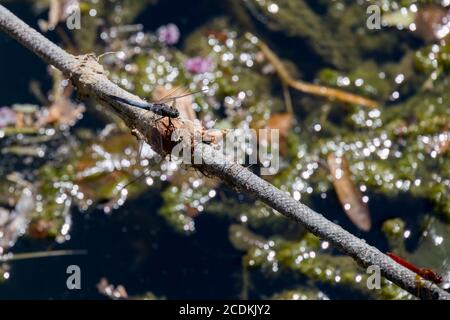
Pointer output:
x,y
161,109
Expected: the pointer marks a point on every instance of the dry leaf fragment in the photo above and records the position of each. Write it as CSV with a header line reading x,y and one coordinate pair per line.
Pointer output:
x,y
282,122
62,112
432,23
348,194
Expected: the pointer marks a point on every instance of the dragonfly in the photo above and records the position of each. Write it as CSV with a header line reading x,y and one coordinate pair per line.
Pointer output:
x,y
161,106
425,273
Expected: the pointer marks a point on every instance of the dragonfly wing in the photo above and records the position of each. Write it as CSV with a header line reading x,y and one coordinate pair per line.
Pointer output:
x,y
185,93
162,94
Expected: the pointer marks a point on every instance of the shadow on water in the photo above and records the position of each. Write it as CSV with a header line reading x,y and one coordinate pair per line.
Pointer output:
x,y
18,65
138,249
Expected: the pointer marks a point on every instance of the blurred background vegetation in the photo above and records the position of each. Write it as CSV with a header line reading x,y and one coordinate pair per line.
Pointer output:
x,y
381,169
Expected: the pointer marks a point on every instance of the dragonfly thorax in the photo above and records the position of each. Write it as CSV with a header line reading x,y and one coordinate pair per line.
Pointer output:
x,y
164,110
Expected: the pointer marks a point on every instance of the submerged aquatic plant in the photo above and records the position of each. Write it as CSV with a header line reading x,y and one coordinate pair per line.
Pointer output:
x,y
398,145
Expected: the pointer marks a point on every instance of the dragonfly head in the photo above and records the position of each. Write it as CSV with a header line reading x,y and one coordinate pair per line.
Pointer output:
x,y
175,112
432,276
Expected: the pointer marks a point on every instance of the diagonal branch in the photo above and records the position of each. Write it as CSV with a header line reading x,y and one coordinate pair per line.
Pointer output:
x,y
90,80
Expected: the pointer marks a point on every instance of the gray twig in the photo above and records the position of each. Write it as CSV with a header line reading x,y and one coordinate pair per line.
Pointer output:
x,y
90,80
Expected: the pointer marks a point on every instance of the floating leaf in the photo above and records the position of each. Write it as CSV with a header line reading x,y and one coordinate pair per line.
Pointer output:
x,y
41,228
62,112
433,23
282,122
349,196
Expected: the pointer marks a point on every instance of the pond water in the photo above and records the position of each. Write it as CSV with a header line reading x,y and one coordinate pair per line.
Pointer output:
x,y
134,245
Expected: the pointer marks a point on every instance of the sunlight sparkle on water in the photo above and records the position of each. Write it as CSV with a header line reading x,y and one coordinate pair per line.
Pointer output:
x,y
273,8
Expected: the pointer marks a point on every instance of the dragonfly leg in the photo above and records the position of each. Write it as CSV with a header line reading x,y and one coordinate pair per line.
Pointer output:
x,y
139,153
174,106
159,119
170,122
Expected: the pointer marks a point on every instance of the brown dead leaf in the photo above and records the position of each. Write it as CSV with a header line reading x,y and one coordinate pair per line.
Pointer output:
x,y
430,21
40,228
190,211
219,35
282,122
348,194
20,122
62,112
443,143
